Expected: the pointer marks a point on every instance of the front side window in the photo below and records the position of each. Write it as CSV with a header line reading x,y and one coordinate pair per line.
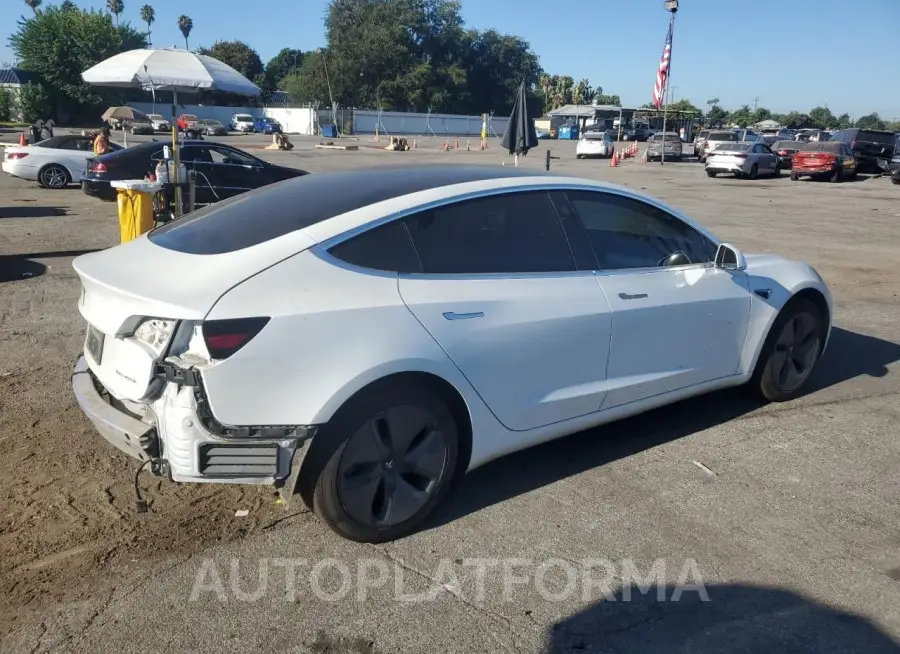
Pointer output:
x,y
627,233
231,157
508,233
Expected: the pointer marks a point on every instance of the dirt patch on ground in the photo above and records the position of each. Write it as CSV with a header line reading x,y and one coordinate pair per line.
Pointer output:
x,y
68,500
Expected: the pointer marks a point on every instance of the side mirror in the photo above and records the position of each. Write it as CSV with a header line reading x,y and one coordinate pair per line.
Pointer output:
x,y
728,257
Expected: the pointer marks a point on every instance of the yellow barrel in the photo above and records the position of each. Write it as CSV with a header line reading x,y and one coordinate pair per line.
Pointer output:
x,y
135,213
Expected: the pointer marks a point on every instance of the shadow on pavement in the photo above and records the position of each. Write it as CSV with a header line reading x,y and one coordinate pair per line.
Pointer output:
x,y
32,212
17,268
737,618
849,355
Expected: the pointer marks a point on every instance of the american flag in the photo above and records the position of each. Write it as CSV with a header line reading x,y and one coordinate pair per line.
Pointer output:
x,y
659,88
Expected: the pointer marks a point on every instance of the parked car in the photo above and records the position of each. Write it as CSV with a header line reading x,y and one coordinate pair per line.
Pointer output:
x,y
786,151
895,161
266,125
714,139
141,127
670,148
211,127
542,134
383,331
53,163
243,123
699,142
636,133
748,136
594,144
833,160
186,121
222,171
159,122
873,149
813,135
743,160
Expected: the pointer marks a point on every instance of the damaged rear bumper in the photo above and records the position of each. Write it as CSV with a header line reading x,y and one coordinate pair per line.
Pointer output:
x,y
180,438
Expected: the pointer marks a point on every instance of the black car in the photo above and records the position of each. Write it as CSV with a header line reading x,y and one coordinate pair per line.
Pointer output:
x,y
895,160
222,171
872,148
786,150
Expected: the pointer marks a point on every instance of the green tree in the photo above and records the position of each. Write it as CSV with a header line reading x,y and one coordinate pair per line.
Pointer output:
x,y
58,45
760,115
822,117
67,4
741,117
34,102
583,92
843,121
308,83
6,105
605,99
288,60
238,55
185,24
871,121
148,15
115,7
34,5
416,55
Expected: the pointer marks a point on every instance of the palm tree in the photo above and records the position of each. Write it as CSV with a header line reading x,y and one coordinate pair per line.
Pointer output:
x,y
34,4
185,24
148,15
116,7
67,5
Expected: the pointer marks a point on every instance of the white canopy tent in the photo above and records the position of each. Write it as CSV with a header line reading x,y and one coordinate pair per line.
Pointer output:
x,y
169,69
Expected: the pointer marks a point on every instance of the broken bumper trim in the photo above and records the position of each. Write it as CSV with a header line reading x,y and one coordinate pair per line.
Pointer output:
x,y
123,431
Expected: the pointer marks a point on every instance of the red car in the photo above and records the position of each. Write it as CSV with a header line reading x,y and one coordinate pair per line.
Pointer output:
x,y
824,159
186,122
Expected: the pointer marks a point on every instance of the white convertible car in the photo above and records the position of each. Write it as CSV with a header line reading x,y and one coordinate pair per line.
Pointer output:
x,y
53,163
363,338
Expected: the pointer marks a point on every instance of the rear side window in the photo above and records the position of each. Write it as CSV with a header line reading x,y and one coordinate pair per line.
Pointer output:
x,y
723,136
508,233
385,248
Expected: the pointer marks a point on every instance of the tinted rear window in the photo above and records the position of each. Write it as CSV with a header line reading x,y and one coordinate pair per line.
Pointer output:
x,y
881,138
723,136
823,146
787,145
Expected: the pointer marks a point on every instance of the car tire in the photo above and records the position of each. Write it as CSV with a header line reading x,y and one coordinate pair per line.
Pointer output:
x,y
711,173
777,172
579,156
54,176
794,177
772,378
754,172
361,449
837,176
895,180
701,159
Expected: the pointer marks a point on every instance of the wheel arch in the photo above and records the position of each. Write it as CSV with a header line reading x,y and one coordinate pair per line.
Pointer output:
x,y
810,293
46,165
317,456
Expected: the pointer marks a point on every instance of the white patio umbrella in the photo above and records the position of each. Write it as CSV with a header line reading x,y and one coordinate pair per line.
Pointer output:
x,y
169,69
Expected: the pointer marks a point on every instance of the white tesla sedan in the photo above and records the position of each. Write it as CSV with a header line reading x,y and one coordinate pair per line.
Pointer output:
x,y
53,163
366,337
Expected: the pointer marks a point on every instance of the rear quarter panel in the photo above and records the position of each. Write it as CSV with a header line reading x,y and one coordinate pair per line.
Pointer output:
x,y
333,331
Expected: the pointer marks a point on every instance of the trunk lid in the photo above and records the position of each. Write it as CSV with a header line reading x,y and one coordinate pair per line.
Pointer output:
x,y
125,284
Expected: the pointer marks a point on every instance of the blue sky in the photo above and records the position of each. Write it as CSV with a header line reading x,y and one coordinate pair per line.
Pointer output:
x,y
791,54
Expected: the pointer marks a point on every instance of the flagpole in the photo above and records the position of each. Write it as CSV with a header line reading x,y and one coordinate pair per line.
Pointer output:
x,y
662,156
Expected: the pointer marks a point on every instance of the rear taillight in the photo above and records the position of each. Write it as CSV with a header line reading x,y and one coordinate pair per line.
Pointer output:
x,y
16,155
225,337
98,167
783,153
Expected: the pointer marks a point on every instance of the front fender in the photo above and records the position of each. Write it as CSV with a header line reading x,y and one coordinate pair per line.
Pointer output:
x,y
780,280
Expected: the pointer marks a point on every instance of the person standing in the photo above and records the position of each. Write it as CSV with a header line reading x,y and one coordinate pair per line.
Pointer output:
x,y
47,129
101,142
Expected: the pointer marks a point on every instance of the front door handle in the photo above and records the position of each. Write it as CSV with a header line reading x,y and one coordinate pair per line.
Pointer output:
x,y
452,315
637,296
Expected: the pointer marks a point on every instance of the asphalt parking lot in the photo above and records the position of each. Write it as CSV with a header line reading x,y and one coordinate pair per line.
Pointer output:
x,y
784,517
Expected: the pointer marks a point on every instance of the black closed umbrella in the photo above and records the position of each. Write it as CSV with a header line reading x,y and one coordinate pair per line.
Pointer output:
x,y
520,136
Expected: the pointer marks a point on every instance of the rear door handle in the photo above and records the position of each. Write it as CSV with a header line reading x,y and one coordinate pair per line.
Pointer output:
x,y
452,315
637,296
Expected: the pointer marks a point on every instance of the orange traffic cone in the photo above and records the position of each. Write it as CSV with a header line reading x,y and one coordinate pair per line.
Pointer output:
x,y
614,161
22,140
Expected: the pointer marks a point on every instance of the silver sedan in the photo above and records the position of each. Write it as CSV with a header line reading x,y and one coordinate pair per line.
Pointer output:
x,y
743,160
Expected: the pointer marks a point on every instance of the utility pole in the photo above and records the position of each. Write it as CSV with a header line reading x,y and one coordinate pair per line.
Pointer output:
x,y
755,103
